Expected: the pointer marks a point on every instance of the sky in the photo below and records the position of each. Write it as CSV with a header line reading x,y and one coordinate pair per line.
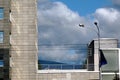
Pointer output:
x,y
85,7
62,39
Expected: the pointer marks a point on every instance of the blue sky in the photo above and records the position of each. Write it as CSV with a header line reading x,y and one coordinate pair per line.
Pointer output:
x,y
86,7
58,22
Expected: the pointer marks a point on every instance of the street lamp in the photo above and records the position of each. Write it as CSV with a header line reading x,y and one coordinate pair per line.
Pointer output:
x,y
81,25
96,24
99,56
98,34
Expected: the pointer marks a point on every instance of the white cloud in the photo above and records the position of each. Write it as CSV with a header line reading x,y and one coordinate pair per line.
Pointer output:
x,y
107,14
59,25
109,21
61,54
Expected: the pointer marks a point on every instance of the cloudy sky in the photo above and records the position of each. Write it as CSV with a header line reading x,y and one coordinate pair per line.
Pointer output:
x,y
60,36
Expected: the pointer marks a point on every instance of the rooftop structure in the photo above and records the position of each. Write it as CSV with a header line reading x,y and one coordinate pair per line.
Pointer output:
x,y
109,47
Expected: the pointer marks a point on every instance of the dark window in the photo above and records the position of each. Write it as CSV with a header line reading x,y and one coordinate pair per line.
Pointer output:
x,y
1,78
1,60
1,13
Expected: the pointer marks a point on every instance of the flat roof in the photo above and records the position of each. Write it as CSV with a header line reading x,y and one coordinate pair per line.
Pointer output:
x,y
106,39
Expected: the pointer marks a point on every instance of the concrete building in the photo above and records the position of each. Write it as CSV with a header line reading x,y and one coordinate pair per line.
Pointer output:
x,y
19,47
5,31
18,39
23,39
93,58
110,49
111,70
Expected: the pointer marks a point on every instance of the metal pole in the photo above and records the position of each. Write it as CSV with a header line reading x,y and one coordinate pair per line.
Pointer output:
x,y
98,49
98,34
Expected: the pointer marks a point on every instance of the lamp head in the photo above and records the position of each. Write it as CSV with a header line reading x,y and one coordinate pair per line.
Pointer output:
x,y
81,25
95,23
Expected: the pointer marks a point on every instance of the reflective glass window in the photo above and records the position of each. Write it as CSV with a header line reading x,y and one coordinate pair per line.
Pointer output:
x,y
112,61
1,36
1,60
1,13
1,63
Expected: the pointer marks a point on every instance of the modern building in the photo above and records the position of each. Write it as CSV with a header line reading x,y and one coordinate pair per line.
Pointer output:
x,y
111,71
93,58
109,47
19,47
5,31
18,39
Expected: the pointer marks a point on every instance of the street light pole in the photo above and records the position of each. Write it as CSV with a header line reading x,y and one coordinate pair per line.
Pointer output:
x,y
98,34
98,49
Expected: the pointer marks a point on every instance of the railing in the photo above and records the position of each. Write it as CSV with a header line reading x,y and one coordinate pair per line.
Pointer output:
x,y
61,66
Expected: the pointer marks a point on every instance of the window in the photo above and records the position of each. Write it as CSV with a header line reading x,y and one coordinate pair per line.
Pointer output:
x,y
1,60
1,37
112,61
108,77
1,63
1,13
110,71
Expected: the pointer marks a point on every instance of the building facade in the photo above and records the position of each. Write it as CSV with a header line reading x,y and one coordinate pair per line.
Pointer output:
x,y
93,55
5,31
19,47
18,39
23,39
111,71
109,47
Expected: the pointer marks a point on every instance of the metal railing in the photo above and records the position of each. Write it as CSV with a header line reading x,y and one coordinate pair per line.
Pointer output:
x,y
61,66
